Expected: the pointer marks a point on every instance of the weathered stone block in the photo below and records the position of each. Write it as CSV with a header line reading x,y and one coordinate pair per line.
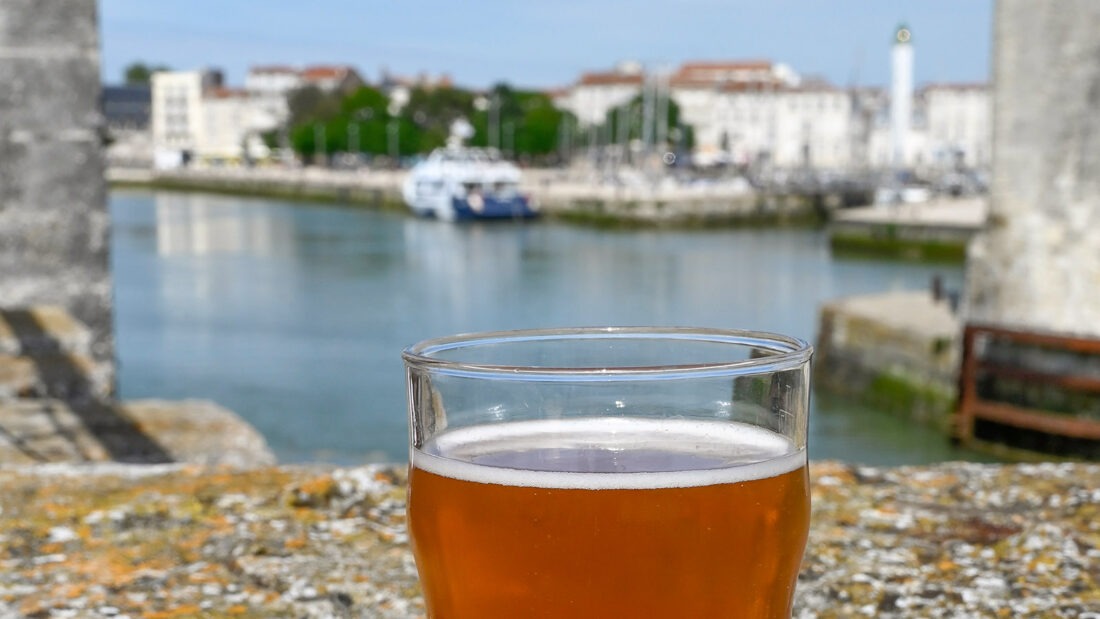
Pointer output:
x,y
200,432
45,92
17,377
48,23
150,431
62,176
41,329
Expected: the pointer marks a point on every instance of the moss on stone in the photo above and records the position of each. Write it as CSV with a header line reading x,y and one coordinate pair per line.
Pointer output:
x,y
893,248
920,400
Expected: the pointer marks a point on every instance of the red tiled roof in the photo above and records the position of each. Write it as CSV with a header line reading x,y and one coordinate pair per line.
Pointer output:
x,y
610,78
322,72
225,93
725,65
710,74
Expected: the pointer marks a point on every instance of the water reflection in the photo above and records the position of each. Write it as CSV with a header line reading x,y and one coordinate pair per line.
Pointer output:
x,y
201,224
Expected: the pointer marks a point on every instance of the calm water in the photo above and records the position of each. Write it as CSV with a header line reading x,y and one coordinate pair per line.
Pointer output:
x,y
294,315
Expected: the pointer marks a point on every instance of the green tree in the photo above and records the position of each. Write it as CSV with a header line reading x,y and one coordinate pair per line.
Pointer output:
x,y
526,122
140,73
311,104
430,112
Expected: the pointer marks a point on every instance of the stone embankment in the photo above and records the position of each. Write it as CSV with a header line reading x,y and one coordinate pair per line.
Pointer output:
x,y
559,193
896,351
937,230
951,540
57,405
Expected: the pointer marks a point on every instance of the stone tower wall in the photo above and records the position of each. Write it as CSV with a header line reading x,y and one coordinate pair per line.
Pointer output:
x,y
1037,265
53,217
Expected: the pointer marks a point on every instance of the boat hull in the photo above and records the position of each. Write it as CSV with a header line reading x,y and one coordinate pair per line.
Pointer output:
x,y
489,207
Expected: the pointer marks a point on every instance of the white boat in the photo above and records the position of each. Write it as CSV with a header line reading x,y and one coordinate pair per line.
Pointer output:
x,y
459,182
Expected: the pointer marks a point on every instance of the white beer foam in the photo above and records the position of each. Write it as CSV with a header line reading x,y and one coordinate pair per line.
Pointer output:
x,y
762,453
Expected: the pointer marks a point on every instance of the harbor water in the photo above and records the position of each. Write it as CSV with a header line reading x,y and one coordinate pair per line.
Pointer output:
x,y
294,315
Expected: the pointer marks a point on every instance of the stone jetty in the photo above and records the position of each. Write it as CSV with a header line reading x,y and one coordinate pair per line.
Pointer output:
x,y
896,351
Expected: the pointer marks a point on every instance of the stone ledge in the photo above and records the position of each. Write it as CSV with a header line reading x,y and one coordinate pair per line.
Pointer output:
x,y
939,541
150,431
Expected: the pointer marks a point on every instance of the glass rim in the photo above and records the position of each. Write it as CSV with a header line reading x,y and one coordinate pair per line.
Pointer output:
x,y
790,353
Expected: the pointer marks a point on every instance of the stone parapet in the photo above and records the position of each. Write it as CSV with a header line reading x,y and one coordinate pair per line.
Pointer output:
x,y
950,540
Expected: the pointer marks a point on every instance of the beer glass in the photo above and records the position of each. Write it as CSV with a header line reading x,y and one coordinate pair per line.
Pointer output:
x,y
608,472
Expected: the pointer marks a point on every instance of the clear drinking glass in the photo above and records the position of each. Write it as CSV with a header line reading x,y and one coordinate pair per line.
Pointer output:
x,y
608,472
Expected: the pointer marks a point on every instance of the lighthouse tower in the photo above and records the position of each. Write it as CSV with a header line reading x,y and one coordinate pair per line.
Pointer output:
x,y
901,96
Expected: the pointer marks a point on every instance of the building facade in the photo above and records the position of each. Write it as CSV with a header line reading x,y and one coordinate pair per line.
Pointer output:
x,y
195,120
756,112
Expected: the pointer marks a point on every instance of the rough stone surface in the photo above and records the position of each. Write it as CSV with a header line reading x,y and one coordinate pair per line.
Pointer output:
x,y
148,431
951,540
1037,264
199,432
53,219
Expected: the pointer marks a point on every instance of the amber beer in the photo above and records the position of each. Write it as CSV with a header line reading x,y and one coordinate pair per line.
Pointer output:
x,y
608,518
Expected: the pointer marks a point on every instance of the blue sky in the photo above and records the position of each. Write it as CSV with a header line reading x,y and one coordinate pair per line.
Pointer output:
x,y
545,43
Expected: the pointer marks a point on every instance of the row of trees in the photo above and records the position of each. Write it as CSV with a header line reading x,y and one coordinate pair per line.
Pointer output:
x,y
522,124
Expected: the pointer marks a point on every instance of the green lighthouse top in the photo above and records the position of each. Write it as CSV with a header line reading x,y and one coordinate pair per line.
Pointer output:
x,y
903,34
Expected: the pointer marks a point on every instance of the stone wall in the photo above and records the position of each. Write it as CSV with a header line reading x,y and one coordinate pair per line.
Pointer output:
x,y
1037,264
53,218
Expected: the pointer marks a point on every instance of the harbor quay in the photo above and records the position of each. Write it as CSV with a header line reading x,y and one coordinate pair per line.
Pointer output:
x,y
632,199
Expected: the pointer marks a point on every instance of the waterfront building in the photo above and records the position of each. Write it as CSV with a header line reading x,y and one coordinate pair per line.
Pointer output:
x,y
958,121
176,115
343,79
597,92
126,112
196,120
760,113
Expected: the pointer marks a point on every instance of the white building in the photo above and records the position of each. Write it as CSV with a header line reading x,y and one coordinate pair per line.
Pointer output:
x,y
195,120
764,113
958,117
176,115
272,80
595,93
